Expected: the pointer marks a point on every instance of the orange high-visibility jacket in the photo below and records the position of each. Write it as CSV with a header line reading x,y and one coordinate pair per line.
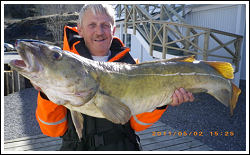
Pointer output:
x,y
52,117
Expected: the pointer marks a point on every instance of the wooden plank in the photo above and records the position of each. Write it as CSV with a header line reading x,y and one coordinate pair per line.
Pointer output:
x,y
236,59
152,128
16,143
163,141
25,138
164,41
149,132
49,148
199,148
6,83
38,142
166,143
184,39
16,81
221,43
158,123
156,139
223,46
182,146
151,39
31,146
148,141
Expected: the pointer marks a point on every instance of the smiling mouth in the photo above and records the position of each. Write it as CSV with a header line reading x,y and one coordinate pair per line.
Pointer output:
x,y
99,40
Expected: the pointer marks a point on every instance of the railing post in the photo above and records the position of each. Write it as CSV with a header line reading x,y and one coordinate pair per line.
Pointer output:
x,y
134,19
125,39
16,81
6,83
237,46
164,40
206,44
196,43
126,18
151,38
187,44
121,32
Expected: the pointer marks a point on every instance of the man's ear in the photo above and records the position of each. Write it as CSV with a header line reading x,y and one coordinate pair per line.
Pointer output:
x,y
113,33
79,30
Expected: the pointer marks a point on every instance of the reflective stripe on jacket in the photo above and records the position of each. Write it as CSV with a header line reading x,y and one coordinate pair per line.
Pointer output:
x,y
144,120
52,117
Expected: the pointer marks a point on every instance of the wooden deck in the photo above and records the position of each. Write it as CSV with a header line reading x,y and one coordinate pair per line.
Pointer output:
x,y
149,139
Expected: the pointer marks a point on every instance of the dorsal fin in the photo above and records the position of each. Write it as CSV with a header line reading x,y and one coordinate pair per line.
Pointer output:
x,y
190,58
176,59
224,68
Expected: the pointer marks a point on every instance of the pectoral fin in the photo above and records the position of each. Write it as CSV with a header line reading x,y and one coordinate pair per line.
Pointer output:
x,y
77,119
113,109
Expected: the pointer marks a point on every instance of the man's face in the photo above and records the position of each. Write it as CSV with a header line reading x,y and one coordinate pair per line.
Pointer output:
x,y
97,31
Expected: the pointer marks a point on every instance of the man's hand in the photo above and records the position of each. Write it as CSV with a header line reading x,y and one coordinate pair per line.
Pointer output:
x,y
180,96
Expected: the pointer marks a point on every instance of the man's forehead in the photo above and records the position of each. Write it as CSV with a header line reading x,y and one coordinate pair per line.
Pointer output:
x,y
92,16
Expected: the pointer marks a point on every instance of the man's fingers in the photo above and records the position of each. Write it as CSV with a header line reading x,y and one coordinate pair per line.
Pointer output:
x,y
191,97
175,101
185,95
180,96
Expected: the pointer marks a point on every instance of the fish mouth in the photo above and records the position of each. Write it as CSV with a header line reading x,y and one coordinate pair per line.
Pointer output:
x,y
28,53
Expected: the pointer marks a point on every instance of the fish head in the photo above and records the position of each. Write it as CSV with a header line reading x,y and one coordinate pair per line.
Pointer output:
x,y
60,74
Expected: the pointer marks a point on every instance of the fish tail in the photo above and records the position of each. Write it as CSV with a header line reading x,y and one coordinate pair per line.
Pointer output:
x,y
234,99
222,95
226,96
224,68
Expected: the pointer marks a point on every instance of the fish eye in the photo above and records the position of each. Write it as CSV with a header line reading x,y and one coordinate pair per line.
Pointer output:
x,y
56,56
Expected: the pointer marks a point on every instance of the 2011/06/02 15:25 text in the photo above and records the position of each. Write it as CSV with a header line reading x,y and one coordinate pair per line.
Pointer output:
x,y
194,133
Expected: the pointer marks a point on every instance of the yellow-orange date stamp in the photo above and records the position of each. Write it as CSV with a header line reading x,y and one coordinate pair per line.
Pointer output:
x,y
193,133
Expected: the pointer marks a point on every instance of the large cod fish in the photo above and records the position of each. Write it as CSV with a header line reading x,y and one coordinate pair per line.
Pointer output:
x,y
116,91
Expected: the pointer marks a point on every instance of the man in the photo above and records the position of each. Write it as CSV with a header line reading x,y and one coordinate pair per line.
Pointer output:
x,y
96,28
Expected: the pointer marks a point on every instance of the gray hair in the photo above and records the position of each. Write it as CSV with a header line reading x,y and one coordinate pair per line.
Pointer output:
x,y
97,9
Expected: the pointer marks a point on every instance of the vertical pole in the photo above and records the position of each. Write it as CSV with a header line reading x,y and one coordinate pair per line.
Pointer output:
x,y
151,38
141,53
187,44
164,42
196,43
126,18
206,44
12,82
134,20
125,39
121,32
6,83
236,60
